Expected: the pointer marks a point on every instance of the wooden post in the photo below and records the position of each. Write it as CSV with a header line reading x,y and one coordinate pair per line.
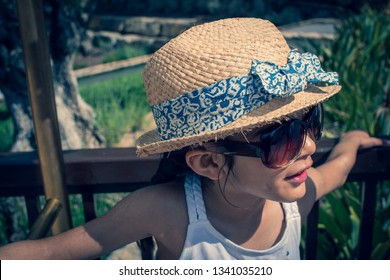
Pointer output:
x,y
41,93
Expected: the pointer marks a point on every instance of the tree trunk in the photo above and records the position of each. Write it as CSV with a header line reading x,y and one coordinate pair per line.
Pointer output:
x,y
77,122
76,118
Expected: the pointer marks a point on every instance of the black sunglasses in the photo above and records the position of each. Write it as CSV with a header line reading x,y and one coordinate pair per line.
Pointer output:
x,y
279,145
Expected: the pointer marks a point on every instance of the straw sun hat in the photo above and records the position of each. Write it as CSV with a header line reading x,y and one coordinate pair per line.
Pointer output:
x,y
225,77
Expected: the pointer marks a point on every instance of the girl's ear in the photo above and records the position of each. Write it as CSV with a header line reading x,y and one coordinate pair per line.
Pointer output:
x,y
205,163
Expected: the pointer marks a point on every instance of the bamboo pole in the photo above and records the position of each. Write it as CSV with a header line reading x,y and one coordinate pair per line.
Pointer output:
x,y
41,93
45,219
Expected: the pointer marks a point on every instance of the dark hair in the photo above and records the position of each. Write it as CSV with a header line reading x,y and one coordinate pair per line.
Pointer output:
x,y
173,166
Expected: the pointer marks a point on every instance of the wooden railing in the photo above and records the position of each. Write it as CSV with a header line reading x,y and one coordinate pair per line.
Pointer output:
x,y
119,170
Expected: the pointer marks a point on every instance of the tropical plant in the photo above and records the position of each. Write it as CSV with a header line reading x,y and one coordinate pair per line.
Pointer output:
x,y
6,128
360,55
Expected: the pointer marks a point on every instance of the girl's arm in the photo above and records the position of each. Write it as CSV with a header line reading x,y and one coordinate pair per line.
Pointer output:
x,y
334,172
73,244
120,226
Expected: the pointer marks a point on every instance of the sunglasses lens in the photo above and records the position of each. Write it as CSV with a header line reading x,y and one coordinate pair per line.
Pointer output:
x,y
284,144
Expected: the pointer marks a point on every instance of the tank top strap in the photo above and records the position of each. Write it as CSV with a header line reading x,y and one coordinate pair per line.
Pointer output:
x,y
194,198
291,210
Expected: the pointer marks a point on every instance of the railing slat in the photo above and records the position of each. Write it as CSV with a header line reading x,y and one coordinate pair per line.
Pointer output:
x,y
33,208
367,220
312,232
89,206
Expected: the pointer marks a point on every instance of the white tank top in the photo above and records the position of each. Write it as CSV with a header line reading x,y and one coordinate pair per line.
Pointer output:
x,y
204,242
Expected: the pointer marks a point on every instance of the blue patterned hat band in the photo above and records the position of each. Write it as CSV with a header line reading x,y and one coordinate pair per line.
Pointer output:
x,y
216,105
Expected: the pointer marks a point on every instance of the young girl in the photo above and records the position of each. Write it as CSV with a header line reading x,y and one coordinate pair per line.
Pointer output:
x,y
238,114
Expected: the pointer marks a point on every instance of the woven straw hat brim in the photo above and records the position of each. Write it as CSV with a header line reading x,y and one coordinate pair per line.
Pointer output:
x,y
150,143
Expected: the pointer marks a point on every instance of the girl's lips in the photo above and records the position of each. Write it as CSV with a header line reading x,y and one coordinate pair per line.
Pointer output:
x,y
298,178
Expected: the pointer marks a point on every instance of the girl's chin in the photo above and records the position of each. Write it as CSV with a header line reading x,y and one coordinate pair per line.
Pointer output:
x,y
294,194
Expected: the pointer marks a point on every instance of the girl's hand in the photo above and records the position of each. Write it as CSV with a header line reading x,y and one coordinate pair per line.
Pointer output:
x,y
362,139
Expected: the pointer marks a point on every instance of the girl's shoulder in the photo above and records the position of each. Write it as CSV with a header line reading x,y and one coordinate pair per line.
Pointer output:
x,y
162,195
157,211
165,203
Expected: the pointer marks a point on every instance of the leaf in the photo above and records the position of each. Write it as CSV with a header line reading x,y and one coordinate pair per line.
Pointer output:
x,y
381,251
327,223
342,216
355,222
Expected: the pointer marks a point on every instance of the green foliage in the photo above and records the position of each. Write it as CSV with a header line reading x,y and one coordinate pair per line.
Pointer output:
x,y
76,209
340,218
106,201
124,52
79,65
120,105
361,57
339,224
13,219
102,43
381,238
6,129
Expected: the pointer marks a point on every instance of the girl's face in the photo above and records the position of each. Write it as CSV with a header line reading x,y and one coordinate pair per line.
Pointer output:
x,y
250,177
